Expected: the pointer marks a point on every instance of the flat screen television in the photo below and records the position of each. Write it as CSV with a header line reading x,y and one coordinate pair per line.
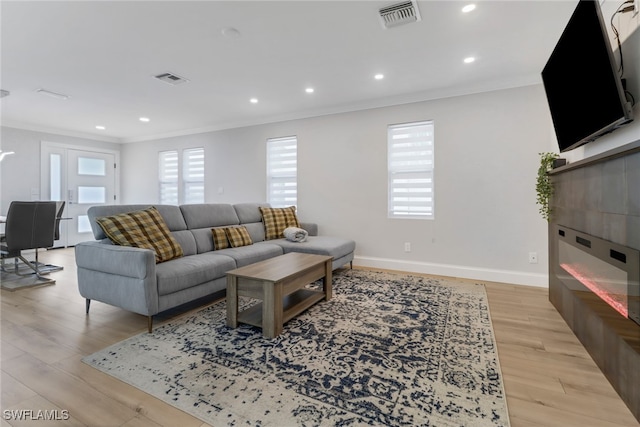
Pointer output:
x,y
581,81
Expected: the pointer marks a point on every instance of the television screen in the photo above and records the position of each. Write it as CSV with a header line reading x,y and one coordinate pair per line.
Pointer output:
x,y
584,91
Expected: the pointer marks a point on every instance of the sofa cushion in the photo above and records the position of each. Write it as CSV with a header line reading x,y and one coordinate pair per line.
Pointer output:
x,y
142,229
277,219
204,239
238,236
336,247
249,212
208,215
246,255
186,241
190,271
256,231
220,240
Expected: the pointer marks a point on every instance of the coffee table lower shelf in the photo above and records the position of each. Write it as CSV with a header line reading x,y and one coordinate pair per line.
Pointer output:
x,y
292,305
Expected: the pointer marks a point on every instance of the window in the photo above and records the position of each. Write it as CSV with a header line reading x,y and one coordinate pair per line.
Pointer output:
x,y
181,182
193,175
55,178
282,171
410,169
169,177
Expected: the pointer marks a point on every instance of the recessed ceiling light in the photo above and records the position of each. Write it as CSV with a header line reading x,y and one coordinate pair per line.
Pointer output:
x,y
230,33
145,119
309,90
253,100
52,94
469,59
379,76
468,8
100,127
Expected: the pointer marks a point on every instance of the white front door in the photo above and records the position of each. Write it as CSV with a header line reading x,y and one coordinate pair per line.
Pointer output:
x,y
90,182
80,178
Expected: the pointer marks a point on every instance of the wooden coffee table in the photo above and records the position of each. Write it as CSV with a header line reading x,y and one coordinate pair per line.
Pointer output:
x,y
280,283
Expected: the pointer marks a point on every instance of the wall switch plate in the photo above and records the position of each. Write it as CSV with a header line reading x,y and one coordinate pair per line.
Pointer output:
x,y
533,257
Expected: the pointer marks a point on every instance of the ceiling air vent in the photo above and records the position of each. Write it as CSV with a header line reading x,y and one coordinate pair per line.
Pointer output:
x,y
171,78
399,14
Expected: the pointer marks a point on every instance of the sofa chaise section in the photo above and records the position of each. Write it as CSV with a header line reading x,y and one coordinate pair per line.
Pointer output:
x,y
341,249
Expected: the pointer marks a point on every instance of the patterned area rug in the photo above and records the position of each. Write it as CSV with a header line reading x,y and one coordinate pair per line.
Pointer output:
x,y
390,350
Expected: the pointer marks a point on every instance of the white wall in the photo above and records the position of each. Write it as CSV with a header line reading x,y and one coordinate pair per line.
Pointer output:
x,y
626,23
486,220
20,172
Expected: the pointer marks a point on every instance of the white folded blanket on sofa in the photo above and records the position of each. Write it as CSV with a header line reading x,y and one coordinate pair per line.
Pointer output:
x,y
295,234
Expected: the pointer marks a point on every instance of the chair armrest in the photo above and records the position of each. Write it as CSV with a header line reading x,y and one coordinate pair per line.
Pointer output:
x,y
112,259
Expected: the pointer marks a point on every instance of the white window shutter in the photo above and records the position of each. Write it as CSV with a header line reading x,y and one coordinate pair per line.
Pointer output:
x,y
193,175
168,177
410,170
282,171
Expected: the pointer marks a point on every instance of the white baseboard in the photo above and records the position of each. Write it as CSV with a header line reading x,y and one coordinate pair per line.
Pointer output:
x,y
465,272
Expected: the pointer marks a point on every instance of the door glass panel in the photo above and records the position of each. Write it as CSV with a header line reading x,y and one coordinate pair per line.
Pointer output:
x,y
55,179
91,166
84,226
92,195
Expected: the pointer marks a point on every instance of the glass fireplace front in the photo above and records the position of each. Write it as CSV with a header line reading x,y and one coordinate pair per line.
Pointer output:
x,y
608,270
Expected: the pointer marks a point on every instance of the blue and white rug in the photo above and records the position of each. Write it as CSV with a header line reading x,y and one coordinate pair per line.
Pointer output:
x,y
387,350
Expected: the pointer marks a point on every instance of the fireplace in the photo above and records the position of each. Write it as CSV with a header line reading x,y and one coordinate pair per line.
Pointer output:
x,y
594,257
608,270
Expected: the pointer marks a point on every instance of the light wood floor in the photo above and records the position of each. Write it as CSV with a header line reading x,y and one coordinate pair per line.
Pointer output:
x,y
549,378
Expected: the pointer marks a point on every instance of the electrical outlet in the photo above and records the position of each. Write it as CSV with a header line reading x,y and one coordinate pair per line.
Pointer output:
x,y
407,246
533,257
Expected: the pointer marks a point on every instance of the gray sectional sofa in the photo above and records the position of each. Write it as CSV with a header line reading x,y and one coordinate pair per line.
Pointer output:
x,y
129,278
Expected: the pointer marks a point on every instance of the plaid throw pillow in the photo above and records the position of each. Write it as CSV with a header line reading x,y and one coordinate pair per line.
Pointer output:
x,y
277,219
142,229
219,239
238,236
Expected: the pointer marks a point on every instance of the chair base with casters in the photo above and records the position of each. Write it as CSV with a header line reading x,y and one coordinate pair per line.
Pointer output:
x,y
47,268
35,266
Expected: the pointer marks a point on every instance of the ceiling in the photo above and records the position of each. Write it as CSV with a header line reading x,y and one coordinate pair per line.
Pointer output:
x,y
103,55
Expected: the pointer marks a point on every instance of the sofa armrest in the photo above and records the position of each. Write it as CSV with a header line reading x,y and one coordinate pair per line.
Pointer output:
x,y
112,259
121,276
310,227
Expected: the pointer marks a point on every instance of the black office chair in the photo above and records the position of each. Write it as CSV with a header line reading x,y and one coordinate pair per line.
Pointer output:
x,y
48,268
30,225
59,210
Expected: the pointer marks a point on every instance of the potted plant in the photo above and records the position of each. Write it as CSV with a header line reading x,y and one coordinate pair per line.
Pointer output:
x,y
544,188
